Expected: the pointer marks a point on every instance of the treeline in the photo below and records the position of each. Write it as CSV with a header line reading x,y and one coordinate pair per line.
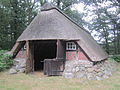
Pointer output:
x,y
106,23
15,16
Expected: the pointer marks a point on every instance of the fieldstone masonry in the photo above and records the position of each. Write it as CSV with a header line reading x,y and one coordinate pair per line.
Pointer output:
x,y
86,69
19,66
76,69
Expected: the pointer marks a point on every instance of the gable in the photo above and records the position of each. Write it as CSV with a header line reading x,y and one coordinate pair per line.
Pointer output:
x,y
53,24
50,25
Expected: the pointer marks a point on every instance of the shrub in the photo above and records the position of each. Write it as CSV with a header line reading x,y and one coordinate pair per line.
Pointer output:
x,y
116,58
5,60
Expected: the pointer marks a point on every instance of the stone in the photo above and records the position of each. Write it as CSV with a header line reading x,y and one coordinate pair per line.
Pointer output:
x,y
109,73
102,68
80,75
105,76
90,69
68,70
22,70
77,69
100,74
82,68
73,70
90,76
19,66
97,70
13,71
86,69
99,78
22,63
88,65
69,75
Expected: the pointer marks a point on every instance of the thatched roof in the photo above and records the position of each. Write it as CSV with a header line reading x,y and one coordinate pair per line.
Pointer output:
x,y
51,23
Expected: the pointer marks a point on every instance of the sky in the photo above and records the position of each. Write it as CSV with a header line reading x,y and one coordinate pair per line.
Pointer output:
x,y
80,7
90,16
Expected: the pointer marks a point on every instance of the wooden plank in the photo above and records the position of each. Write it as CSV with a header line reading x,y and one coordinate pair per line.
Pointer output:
x,y
57,67
53,67
45,68
16,48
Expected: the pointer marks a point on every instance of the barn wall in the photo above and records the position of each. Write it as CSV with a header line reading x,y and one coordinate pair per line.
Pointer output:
x,y
70,55
76,54
21,54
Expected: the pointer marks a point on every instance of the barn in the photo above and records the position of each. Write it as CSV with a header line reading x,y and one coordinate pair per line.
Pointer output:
x,y
55,44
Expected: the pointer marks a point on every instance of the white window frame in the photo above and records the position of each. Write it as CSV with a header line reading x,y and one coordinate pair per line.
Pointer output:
x,y
70,46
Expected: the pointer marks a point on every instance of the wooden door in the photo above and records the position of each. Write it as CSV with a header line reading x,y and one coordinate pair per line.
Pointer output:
x,y
53,67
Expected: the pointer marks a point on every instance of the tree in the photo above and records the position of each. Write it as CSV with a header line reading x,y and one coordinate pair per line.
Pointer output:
x,y
106,22
66,7
15,16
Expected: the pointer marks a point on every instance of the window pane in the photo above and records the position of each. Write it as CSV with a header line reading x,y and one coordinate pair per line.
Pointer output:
x,y
70,46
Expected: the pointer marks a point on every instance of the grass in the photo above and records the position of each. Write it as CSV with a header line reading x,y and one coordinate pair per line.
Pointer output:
x,y
39,82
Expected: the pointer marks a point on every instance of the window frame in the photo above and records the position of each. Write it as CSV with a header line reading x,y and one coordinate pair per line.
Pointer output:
x,y
71,46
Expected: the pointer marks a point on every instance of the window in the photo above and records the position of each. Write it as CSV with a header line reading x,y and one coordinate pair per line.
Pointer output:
x,y
70,46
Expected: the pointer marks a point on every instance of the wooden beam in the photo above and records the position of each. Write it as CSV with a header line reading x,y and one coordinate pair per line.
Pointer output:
x,y
29,57
16,48
60,50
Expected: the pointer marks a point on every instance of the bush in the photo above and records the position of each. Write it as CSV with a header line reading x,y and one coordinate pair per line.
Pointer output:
x,y
116,58
5,60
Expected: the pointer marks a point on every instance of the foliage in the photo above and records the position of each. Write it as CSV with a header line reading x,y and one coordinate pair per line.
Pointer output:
x,y
15,15
104,23
5,60
116,58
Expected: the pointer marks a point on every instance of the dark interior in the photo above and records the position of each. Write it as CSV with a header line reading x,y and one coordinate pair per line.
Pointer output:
x,y
43,50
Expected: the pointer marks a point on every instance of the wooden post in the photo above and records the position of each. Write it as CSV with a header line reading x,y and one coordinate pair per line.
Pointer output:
x,y
29,57
60,50
61,54
32,54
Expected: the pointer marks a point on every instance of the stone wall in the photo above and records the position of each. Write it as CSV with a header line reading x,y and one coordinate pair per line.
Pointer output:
x,y
19,66
86,69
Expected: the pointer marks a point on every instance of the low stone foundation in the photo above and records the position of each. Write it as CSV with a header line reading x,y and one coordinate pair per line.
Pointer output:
x,y
86,69
19,66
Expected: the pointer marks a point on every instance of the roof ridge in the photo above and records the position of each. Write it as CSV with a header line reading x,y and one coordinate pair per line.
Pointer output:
x,y
72,20
47,6
50,6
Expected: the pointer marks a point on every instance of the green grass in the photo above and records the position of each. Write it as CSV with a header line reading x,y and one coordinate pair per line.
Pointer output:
x,y
37,82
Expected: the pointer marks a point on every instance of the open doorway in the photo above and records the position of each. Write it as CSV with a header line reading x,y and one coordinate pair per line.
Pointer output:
x,y
43,50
